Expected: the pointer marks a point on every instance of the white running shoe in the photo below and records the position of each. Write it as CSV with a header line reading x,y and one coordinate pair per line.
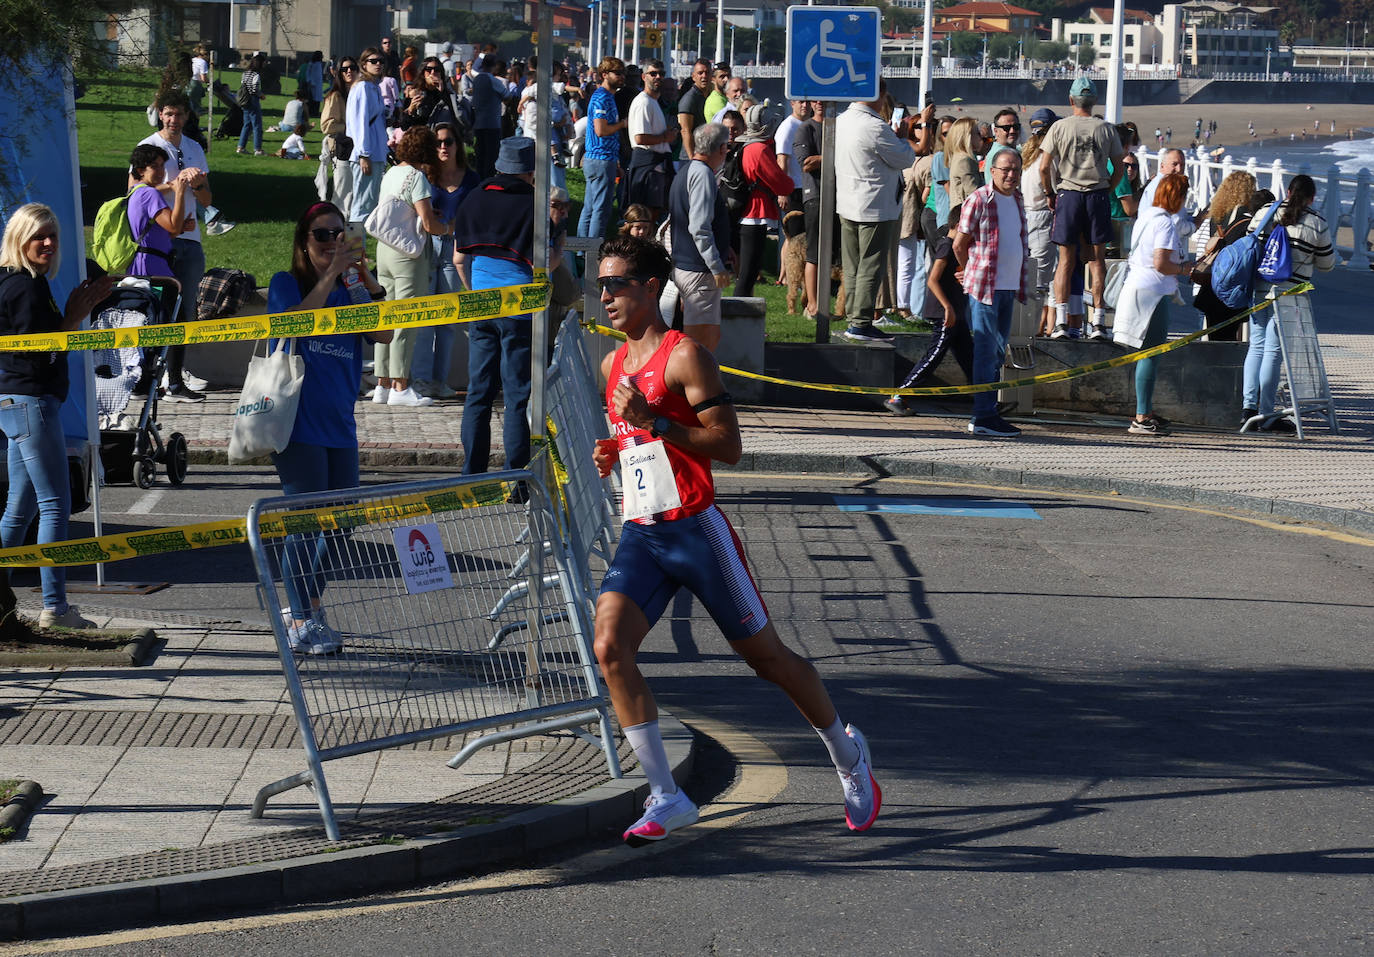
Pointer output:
x,y
71,618
380,395
408,396
862,796
189,379
663,814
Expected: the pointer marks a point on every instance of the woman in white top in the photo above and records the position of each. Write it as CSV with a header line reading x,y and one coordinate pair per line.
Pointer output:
x,y
1039,222
416,169
1142,311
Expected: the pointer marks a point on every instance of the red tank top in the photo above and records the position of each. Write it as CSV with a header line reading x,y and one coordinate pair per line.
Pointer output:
x,y
691,471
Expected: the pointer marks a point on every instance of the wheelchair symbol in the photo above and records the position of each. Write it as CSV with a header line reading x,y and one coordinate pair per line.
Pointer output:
x,y
826,49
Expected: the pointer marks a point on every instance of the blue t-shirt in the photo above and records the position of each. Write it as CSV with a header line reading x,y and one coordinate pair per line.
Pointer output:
x,y
602,107
488,272
333,369
939,196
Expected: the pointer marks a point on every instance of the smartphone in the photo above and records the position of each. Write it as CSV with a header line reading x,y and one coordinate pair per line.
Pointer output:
x,y
354,232
897,114
930,97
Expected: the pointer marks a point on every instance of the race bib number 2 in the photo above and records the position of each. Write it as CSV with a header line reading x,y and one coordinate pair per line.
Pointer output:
x,y
647,481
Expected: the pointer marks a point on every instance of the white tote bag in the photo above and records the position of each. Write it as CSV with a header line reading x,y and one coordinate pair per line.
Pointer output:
x,y
395,223
266,412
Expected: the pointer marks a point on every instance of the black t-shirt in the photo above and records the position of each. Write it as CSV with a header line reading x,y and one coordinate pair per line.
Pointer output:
x,y
28,308
807,142
954,292
693,101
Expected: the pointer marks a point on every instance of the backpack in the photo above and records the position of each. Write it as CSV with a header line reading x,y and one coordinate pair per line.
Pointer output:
x,y
735,187
1276,265
1233,271
113,245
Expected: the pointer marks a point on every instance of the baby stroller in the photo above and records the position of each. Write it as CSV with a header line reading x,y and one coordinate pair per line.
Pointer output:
x,y
131,444
232,124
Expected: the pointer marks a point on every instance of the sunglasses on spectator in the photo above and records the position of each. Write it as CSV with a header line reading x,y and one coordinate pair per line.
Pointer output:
x,y
615,285
443,141
432,69
347,66
324,234
373,59
1010,126
653,73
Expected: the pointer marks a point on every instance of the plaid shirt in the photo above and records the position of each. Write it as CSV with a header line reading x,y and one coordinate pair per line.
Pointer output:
x,y
979,221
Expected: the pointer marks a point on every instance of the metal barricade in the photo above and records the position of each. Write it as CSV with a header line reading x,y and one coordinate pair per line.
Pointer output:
x,y
404,574
582,380
1303,368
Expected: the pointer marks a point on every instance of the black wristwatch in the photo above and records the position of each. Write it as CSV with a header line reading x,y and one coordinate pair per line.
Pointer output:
x,y
660,426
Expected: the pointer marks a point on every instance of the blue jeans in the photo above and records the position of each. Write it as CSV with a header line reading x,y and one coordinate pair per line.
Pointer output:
x,y
252,119
990,325
434,344
596,207
38,482
497,348
1263,363
310,468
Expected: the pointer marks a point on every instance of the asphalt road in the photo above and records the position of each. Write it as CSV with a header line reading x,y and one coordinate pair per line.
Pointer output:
x,y
1110,728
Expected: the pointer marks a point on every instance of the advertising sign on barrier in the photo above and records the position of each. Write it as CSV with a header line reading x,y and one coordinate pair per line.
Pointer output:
x,y
424,566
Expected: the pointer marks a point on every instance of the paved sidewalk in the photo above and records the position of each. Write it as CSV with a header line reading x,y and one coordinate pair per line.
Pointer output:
x,y
150,773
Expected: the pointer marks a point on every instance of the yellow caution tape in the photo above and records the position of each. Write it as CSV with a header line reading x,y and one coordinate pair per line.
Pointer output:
x,y
1122,360
113,548
454,307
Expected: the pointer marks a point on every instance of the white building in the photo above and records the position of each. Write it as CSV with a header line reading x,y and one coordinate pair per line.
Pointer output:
x,y
1196,38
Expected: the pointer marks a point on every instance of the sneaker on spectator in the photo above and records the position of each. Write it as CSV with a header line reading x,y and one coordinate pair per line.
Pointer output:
x,y
896,404
380,395
71,618
1061,331
994,425
182,393
892,322
1146,426
1100,333
407,396
867,334
442,390
1280,426
1075,332
192,381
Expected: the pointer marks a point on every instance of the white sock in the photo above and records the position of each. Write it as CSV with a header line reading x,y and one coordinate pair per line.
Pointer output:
x,y
1061,313
1099,317
647,742
844,753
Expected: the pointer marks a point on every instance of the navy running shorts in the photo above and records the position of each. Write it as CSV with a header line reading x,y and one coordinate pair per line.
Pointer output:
x,y
701,553
1082,216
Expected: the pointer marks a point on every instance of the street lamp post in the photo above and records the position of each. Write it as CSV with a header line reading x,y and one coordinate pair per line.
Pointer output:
x,y
1267,54
731,61
985,54
758,45
698,36
635,47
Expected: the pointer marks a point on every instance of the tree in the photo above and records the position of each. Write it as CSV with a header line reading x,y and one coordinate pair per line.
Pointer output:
x,y
1288,34
1048,51
67,28
1003,46
965,43
1085,56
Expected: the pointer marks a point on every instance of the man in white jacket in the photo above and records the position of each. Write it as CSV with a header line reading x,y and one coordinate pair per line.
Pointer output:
x,y
869,160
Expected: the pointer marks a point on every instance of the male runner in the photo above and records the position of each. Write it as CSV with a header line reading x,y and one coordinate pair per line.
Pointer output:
x,y
672,416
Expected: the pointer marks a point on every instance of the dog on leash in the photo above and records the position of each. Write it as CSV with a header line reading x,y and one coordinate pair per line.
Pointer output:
x,y
795,267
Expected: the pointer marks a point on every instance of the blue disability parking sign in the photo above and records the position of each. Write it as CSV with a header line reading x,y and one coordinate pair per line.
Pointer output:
x,y
833,53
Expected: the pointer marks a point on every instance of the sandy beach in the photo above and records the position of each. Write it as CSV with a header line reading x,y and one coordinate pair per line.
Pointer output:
x,y
1231,119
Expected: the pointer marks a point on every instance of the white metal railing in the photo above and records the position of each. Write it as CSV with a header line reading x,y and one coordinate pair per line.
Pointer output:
x,y
898,66
1343,199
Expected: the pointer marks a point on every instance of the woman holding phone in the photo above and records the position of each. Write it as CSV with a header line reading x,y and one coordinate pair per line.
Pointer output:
x,y
328,268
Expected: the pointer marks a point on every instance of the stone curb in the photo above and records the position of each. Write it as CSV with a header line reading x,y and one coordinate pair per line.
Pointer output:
x,y
23,802
1353,519
138,648
346,873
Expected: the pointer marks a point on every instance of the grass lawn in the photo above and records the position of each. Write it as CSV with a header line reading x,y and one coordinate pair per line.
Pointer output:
x,y
264,195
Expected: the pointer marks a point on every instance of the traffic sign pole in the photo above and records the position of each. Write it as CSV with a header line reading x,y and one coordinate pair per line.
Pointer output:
x,y
826,231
